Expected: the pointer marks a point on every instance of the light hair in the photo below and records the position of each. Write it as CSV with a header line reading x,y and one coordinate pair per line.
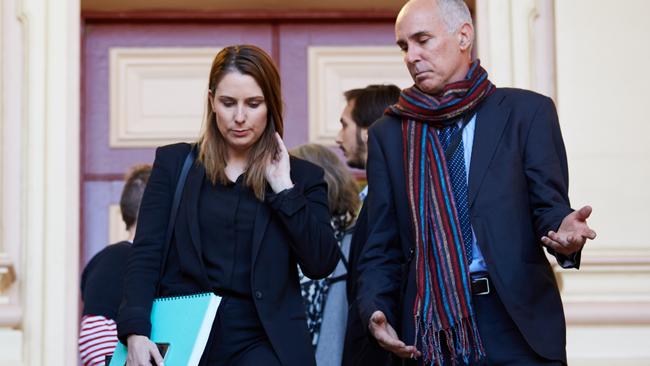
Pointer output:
x,y
342,189
454,14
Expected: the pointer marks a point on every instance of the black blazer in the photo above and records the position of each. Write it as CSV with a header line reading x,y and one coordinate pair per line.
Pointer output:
x,y
518,183
359,348
292,228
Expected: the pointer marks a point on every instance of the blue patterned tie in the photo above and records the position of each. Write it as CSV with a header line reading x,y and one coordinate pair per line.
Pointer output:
x,y
456,168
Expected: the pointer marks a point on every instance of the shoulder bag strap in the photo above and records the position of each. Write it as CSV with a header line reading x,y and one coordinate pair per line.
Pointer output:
x,y
189,160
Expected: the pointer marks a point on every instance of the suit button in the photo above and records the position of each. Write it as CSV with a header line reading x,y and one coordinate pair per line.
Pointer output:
x,y
258,295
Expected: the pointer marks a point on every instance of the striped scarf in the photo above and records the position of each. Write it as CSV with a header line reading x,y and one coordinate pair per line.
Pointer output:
x,y
443,300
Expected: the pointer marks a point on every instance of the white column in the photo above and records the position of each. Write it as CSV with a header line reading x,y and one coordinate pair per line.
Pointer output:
x,y
515,41
11,335
40,172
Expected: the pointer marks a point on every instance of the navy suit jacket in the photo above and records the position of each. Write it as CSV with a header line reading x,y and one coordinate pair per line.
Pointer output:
x,y
359,348
518,183
292,228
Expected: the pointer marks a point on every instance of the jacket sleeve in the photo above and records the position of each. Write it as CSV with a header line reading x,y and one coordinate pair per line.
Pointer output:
x,y
356,247
379,268
304,213
547,175
143,267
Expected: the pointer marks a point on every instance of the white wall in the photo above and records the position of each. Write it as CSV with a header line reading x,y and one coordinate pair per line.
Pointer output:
x,y
603,50
590,57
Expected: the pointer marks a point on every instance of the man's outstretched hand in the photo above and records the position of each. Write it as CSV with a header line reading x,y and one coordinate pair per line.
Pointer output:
x,y
572,234
387,337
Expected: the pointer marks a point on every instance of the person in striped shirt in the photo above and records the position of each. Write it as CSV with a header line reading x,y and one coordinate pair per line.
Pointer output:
x,y
101,281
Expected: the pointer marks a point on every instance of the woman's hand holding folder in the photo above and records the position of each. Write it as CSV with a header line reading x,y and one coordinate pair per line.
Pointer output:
x,y
142,352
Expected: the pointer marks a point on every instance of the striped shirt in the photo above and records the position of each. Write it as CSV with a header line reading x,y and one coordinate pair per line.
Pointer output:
x,y
97,339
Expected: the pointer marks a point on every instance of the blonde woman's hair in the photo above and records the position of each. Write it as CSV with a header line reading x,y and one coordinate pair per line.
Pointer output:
x,y
253,61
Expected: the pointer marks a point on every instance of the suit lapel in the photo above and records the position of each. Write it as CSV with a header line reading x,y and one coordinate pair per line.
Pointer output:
x,y
395,163
262,218
491,119
193,190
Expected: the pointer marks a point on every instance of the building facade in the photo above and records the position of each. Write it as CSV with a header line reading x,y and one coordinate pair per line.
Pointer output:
x,y
90,87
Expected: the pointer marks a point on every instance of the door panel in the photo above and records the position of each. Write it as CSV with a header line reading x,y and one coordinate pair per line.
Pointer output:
x,y
295,41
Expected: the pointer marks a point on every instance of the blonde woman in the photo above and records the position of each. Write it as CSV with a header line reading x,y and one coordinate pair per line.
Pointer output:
x,y
248,215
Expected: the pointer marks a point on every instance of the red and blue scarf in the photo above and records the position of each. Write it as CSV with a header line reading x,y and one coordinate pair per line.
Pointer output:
x,y
443,300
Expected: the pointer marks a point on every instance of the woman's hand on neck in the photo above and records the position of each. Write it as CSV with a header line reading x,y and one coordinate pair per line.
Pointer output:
x,y
278,170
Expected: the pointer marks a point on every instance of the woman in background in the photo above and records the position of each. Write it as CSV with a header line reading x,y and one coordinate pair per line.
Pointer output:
x,y
325,300
248,215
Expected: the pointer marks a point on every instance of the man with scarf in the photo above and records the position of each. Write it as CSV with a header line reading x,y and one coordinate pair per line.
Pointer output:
x,y
468,184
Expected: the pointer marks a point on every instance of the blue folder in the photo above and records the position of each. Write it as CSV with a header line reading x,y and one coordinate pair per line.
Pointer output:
x,y
181,325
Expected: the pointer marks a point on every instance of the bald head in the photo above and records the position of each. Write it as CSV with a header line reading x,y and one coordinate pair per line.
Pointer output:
x,y
436,37
454,13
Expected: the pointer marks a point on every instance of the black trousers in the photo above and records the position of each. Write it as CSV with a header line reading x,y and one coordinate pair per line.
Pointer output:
x,y
237,337
503,342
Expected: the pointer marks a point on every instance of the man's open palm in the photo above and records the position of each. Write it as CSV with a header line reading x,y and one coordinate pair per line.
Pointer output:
x,y
572,234
387,337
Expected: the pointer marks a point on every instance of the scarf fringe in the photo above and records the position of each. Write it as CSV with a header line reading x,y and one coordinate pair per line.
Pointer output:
x,y
462,341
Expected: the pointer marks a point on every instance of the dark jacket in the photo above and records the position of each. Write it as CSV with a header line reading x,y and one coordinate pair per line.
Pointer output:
x,y
292,228
102,280
360,349
518,183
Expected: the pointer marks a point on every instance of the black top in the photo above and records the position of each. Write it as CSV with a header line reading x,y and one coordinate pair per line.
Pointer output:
x,y
101,280
292,227
226,219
